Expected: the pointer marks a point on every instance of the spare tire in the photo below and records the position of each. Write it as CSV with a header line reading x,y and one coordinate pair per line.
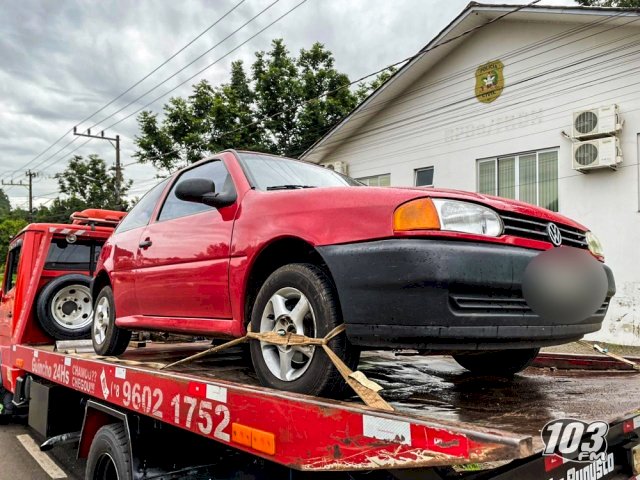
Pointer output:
x,y
65,309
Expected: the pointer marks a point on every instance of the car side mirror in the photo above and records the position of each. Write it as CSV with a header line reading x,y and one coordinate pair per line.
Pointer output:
x,y
202,190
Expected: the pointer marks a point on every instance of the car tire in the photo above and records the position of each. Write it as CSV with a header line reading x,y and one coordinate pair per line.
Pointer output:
x,y
502,363
64,308
109,455
108,339
288,368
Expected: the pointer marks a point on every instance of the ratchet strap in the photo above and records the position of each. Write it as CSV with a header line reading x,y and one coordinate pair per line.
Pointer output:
x,y
366,389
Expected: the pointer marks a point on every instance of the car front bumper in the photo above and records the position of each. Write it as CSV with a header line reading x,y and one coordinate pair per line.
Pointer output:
x,y
445,295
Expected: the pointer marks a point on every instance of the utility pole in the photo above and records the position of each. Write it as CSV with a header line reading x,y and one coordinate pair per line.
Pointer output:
x,y
28,185
115,139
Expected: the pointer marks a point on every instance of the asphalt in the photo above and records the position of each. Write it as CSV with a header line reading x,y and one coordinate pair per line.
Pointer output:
x,y
16,463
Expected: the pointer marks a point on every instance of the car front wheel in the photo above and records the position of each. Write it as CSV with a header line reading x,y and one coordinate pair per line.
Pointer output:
x,y
502,363
300,298
107,338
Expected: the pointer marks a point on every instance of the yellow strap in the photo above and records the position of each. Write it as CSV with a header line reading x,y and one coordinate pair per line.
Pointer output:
x,y
366,389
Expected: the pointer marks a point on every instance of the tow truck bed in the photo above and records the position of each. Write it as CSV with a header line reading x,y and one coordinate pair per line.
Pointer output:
x,y
443,415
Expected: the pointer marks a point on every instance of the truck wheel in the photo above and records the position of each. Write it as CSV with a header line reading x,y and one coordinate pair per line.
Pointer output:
x,y
502,363
109,454
107,338
300,298
64,307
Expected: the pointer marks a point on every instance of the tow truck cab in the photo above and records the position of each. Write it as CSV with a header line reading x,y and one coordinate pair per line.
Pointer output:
x,y
38,255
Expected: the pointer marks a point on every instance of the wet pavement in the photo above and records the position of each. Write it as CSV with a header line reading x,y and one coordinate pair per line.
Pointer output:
x,y
437,387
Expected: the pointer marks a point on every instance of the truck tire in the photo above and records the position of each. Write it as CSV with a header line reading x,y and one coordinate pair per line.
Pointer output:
x,y
107,338
503,363
303,369
64,308
109,455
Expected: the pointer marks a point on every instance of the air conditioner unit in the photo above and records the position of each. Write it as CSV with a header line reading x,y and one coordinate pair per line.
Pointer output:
x,y
598,153
597,121
340,167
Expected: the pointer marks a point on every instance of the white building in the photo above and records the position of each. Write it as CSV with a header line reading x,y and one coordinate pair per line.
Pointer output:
x,y
444,120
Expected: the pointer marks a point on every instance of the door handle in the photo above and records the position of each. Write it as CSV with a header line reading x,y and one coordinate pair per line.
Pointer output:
x,y
146,243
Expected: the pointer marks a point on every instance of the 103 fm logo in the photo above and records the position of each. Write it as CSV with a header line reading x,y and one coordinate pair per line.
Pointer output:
x,y
575,440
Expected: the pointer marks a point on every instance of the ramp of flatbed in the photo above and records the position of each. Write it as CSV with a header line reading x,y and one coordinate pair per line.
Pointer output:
x,y
437,387
444,415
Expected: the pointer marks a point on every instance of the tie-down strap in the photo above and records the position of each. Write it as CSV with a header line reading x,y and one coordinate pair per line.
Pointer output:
x,y
366,389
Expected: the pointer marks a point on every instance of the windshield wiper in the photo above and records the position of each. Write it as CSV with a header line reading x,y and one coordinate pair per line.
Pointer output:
x,y
289,187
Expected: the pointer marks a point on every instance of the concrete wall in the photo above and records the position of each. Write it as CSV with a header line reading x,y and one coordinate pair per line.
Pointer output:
x,y
438,121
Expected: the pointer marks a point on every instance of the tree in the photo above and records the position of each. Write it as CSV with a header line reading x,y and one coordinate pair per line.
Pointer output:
x,y
8,228
88,183
283,107
610,3
5,204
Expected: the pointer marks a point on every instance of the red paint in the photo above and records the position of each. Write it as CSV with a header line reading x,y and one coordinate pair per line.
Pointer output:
x,y
17,304
551,462
308,431
193,278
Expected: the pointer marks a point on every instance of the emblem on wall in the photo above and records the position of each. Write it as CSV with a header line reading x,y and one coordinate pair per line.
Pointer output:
x,y
489,81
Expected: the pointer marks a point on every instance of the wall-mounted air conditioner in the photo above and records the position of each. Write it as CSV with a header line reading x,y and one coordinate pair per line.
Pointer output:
x,y
598,153
340,167
597,121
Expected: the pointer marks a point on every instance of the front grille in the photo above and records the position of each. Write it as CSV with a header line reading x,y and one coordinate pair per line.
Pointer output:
x,y
529,227
499,304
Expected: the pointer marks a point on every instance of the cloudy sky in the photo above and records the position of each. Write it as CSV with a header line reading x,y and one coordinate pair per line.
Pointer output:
x,y
62,61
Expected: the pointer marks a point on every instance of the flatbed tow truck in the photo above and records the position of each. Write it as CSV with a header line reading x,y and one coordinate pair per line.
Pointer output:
x,y
210,419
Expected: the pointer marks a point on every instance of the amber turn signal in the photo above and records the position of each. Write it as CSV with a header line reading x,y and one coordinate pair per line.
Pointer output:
x,y
418,214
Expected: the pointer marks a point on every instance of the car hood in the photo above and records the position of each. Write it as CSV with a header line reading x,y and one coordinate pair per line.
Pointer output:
x,y
394,196
499,203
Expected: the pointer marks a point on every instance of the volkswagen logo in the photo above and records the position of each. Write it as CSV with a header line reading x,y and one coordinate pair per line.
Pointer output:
x,y
554,234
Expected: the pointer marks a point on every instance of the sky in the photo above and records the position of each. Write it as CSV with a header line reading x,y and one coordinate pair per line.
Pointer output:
x,y
62,61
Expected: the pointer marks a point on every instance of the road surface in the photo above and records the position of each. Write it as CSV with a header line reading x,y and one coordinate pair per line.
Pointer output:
x,y
16,462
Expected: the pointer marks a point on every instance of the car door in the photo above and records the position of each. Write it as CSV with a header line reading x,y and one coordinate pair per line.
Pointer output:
x,y
124,249
7,300
183,265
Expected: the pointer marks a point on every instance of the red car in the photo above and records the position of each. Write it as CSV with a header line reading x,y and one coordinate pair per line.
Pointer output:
x,y
290,246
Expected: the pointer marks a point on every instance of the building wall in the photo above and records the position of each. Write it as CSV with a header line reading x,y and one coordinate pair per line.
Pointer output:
x,y
439,122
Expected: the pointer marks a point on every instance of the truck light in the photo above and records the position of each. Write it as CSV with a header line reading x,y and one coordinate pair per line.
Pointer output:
x,y
19,362
252,437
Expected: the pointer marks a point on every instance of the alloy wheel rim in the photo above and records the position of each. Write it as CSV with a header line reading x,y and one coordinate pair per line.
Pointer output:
x,y
288,310
71,307
101,320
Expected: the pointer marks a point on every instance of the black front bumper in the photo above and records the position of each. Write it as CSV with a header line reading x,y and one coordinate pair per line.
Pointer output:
x,y
444,295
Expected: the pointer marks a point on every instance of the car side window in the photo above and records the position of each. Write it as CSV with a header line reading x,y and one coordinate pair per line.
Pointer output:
x,y
13,260
140,214
174,207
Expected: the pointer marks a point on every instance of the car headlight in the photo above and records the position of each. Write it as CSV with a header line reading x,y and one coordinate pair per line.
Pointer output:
x,y
450,215
595,247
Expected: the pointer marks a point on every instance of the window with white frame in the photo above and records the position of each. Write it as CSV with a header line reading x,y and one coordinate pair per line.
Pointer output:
x,y
423,177
530,177
383,180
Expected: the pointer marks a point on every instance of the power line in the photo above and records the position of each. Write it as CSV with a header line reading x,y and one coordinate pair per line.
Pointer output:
x,y
129,89
187,65
350,84
211,64
182,49
197,73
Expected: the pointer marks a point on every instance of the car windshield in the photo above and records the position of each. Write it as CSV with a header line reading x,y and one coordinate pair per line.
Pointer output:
x,y
268,172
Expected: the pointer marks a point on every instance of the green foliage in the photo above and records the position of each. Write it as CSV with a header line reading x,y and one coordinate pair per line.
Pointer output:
x,y
8,228
5,204
274,109
88,183
610,3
